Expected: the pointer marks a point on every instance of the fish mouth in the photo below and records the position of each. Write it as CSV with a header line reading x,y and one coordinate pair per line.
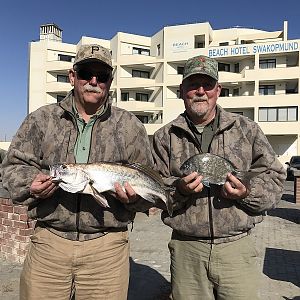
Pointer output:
x,y
56,179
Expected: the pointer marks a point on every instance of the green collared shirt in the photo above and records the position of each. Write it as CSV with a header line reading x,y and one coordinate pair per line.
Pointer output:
x,y
83,142
204,134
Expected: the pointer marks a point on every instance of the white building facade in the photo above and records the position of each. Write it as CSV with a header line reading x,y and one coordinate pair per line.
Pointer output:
x,y
258,70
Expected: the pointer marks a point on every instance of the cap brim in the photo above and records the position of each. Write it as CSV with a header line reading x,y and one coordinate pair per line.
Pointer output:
x,y
88,60
199,73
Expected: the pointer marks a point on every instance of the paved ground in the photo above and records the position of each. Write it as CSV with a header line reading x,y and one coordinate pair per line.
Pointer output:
x,y
277,240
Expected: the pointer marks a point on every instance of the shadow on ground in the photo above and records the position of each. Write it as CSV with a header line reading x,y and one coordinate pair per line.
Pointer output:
x,y
288,198
146,283
290,214
282,265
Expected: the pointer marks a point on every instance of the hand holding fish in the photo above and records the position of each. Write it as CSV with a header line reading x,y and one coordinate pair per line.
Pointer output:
x,y
127,196
42,186
234,189
190,184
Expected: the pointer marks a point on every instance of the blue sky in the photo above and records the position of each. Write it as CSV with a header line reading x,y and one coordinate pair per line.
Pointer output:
x,y
20,21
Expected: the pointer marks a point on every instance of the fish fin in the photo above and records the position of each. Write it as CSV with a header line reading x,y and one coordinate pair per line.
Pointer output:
x,y
169,204
98,197
148,171
76,188
146,194
206,183
245,176
162,200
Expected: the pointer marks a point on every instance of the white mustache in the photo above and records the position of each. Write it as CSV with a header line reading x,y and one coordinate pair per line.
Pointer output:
x,y
198,99
89,88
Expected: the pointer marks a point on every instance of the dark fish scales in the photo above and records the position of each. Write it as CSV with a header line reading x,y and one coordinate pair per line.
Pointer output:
x,y
213,168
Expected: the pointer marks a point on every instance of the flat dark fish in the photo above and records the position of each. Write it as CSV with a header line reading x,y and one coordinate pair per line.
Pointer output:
x,y
213,168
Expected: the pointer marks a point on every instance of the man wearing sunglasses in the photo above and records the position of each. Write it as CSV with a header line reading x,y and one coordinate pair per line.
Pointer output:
x,y
212,252
77,244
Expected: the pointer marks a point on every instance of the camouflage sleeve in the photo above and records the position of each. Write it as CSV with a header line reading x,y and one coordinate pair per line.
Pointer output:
x,y
140,153
21,163
265,189
161,157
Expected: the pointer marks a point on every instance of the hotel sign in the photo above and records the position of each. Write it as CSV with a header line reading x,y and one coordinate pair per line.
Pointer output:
x,y
253,49
180,46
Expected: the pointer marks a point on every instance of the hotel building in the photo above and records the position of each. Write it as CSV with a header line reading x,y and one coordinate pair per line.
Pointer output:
x,y
258,70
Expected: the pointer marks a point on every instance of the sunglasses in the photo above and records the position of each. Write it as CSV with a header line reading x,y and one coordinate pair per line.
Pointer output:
x,y
88,75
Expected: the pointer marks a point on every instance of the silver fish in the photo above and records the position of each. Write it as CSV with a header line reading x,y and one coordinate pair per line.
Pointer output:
x,y
96,178
214,169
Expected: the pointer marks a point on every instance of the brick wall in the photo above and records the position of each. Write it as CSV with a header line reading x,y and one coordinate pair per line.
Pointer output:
x,y
15,230
297,186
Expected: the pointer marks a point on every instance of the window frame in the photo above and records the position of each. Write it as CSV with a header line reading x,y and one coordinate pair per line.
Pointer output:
x,y
268,110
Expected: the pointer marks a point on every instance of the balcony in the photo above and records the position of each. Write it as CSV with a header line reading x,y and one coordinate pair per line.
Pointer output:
x,y
272,74
173,80
58,87
280,128
137,105
229,76
133,59
135,82
58,65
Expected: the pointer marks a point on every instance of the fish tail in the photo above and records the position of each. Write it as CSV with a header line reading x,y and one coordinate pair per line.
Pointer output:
x,y
245,176
169,203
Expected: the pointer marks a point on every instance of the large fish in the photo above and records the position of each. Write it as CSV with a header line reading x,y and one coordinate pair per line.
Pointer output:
x,y
214,169
96,178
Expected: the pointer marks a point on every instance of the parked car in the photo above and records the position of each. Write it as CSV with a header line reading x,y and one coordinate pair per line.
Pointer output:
x,y
293,164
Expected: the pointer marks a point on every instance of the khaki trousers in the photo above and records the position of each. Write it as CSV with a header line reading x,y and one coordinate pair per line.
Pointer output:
x,y
226,271
98,268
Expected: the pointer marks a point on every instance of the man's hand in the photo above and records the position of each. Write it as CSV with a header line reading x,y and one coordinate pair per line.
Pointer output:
x,y
190,184
127,196
234,189
42,187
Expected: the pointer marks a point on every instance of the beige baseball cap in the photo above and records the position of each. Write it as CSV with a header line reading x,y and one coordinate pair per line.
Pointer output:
x,y
93,52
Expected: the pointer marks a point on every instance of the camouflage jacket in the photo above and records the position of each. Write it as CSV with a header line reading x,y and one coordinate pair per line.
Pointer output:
x,y
46,137
205,215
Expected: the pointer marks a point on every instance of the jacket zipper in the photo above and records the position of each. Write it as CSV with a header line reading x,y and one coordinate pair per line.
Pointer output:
x,y
210,216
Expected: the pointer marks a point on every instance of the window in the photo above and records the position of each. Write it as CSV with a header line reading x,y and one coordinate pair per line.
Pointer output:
x,y
246,42
224,67
180,70
124,96
224,92
64,57
267,63
278,114
199,41
267,89
142,74
62,78
141,97
237,68
238,112
143,119
60,97
199,45
136,50
224,44
158,49
236,92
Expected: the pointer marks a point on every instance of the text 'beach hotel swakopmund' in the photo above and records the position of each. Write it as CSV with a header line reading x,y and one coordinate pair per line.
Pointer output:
x,y
259,73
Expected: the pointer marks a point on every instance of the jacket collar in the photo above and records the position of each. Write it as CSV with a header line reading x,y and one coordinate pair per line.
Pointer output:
x,y
226,120
67,105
